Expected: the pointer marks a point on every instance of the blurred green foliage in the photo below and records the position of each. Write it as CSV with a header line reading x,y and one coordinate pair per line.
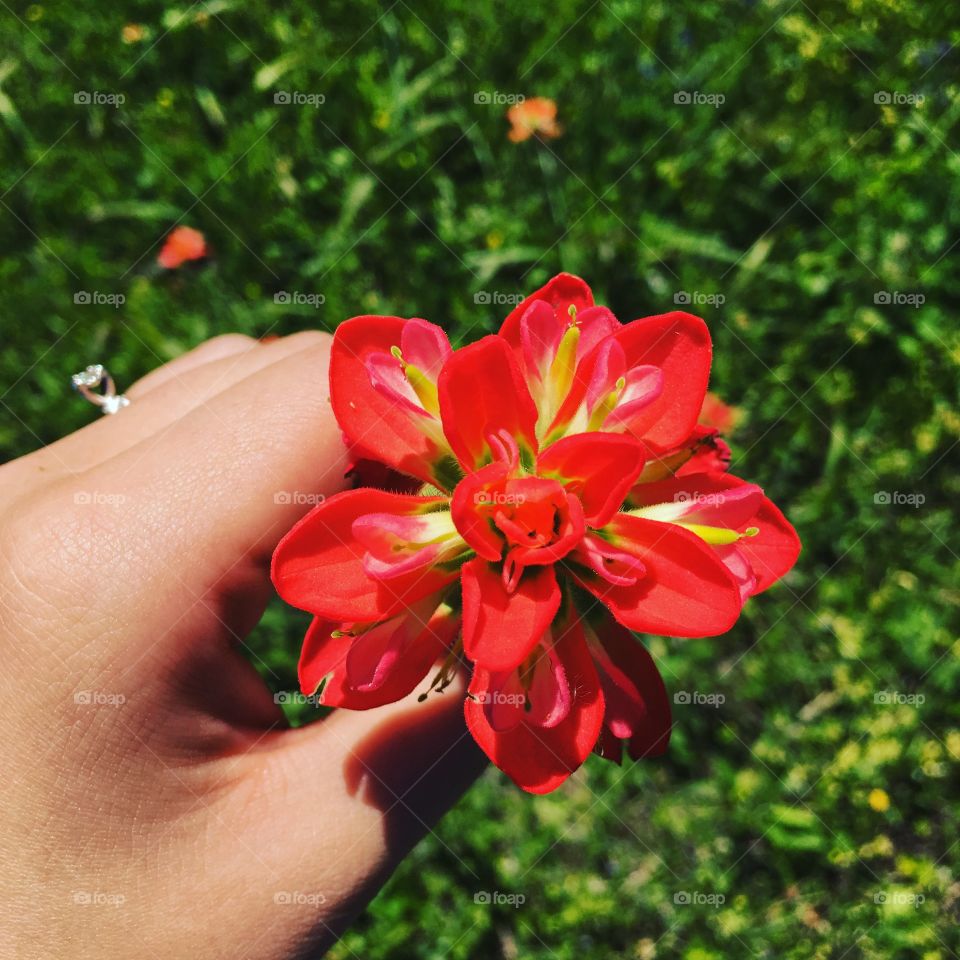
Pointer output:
x,y
814,812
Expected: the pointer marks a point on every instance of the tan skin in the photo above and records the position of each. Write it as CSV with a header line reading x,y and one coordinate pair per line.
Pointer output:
x,y
153,802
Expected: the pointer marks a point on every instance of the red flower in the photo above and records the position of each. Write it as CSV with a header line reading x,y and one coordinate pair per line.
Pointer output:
x,y
719,415
566,497
182,244
533,116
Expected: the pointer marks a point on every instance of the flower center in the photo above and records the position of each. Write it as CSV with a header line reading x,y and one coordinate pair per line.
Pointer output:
x,y
539,521
531,512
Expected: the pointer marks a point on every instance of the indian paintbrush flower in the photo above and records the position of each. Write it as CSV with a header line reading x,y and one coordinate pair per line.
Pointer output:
x,y
182,245
558,495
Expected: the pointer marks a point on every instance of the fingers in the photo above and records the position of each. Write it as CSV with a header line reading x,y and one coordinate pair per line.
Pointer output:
x,y
171,537
355,793
162,397
223,482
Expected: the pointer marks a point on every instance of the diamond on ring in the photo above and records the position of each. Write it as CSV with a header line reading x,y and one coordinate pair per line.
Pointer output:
x,y
94,376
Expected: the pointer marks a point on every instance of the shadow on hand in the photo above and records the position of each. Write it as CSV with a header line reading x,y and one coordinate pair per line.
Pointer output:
x,y
415,765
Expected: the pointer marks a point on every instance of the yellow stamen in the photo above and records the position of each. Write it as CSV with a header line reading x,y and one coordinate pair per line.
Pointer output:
x,y
718,536
565,362
602,410
424,388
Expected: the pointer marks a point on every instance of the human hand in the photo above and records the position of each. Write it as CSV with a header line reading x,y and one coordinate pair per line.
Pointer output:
x,y
154,803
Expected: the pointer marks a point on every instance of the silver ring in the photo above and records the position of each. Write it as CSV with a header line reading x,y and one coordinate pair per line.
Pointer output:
x,y
87,381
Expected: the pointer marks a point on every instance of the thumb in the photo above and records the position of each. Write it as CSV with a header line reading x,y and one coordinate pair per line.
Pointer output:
x,y
352,794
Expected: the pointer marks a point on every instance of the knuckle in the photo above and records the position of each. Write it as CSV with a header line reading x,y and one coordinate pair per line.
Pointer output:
x,y
305,340
226,342
312,344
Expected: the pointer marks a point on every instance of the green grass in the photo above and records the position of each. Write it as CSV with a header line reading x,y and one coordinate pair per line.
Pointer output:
x,y
799,200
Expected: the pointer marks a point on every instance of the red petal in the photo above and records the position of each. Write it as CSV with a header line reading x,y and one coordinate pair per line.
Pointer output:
x,y
318,565
325,656
596,324
638,681
687,590
500,628
376,428
482,392
320,654
541,330
699,499
544,700
771,553
469,512
539,759
375,654
679,344
561,292
609,747
774,551
740,567
598,467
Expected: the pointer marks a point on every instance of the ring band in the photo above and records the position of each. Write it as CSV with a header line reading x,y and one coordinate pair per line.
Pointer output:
x,y
87,381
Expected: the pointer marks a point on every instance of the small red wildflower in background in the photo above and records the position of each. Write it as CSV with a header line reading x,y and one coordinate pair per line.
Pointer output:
x,y
559,494
182,244
537,115
719,415
133,33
